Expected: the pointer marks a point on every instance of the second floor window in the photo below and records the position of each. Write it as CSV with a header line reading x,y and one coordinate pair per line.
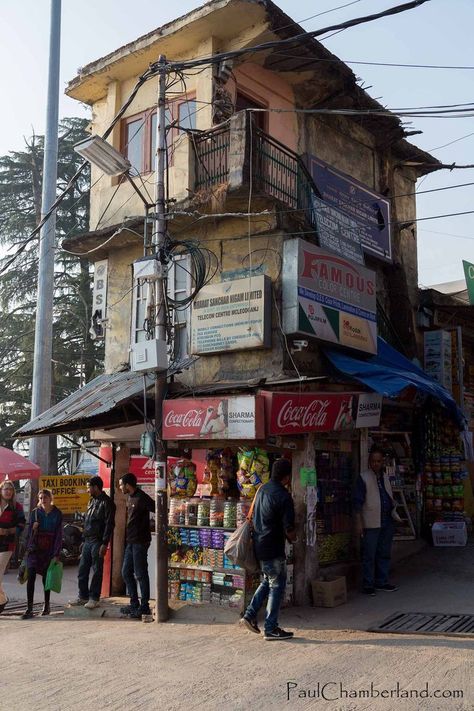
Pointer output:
x,y
138,140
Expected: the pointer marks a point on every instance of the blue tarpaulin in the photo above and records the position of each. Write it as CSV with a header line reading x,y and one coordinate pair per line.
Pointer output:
x,y
389,373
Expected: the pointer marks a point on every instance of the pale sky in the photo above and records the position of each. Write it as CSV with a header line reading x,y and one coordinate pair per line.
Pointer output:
x,y
439,32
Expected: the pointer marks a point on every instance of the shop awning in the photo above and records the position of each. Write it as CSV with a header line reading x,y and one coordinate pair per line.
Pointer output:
x,y
389,373
110,400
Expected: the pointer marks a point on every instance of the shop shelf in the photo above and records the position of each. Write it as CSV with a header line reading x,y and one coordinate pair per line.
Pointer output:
x,y
229,571
211,528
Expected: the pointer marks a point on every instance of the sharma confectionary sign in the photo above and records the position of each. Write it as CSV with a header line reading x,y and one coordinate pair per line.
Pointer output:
x,y
328,297
240,417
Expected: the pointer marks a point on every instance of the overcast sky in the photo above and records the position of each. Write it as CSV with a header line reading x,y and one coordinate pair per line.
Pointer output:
x,y
439,32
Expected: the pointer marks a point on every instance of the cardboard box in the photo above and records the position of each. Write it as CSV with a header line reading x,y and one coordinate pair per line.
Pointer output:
x,y
449,533
330,592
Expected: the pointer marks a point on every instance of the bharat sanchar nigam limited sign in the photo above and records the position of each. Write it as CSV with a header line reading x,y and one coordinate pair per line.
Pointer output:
x,y
232,315
328,297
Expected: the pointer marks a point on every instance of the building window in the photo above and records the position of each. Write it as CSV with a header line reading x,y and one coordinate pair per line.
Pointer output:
x,y
138,141
179,287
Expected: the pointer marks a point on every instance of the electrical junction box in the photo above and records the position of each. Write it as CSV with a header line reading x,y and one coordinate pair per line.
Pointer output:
x,y
149,355
148,268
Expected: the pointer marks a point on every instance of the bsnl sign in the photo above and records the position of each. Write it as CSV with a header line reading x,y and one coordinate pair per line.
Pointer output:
x,y
328,297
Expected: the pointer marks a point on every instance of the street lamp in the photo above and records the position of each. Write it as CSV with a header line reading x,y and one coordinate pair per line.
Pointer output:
x,y
104,156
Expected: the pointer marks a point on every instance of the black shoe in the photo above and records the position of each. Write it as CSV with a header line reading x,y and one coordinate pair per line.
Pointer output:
x,y
386,588
136,614
369,591
278,633
128,610
45,611
3,606
27,615
250,624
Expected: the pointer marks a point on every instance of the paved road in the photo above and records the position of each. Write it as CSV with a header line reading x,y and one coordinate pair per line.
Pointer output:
x,y
202,660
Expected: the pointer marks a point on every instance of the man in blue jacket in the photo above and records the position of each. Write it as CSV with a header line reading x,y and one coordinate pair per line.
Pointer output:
x,y
273,522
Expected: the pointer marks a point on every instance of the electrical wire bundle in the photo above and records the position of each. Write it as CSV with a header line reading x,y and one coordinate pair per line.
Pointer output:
x,y
203,267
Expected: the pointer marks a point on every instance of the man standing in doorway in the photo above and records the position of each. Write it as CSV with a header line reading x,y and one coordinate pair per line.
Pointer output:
x,y
273,522
98,528
375,513
137,540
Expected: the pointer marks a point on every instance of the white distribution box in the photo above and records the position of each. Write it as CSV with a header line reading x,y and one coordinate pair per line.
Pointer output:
x,y
449,533
149,355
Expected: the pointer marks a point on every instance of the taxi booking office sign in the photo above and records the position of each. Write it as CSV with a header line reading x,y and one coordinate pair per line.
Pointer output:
x,y
351,219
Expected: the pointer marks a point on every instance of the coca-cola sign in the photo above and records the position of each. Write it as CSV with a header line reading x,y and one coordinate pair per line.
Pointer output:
x,y
296,413
214,418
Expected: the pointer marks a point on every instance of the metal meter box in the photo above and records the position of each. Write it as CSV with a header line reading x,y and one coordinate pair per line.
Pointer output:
x,y
148,268
149,355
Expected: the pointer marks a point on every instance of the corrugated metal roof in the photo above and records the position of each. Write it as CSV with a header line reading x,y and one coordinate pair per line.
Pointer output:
x,y
107,401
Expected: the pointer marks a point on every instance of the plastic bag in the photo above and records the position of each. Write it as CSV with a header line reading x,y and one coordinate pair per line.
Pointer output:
x,y
22,576
54,576
239,548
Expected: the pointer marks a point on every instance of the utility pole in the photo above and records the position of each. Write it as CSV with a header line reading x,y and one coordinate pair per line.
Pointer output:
x,y
159,238
41,385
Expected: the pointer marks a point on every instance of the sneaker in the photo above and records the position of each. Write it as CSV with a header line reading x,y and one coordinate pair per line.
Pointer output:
x,y
92,604
369,591
278,633
128,610
249,624
27,615
386,588
78,601
45,611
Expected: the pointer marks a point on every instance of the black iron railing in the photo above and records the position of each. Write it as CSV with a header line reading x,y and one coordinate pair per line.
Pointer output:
x,y
212,157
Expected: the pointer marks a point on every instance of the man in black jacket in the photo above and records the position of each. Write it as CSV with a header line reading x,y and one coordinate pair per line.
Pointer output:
x,y
98,528
137,539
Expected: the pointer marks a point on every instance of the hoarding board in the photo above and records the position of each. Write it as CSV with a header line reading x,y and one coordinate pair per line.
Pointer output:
x,y
368,210
222,418
328,297
438,358
294,413
69,492
232,315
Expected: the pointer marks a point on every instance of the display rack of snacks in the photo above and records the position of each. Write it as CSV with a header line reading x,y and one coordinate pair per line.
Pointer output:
x,y
334,509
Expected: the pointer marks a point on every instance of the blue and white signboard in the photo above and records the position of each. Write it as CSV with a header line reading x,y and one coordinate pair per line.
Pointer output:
x,y
368,212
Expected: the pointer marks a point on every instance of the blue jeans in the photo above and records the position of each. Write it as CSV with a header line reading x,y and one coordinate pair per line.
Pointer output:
x,y
135,569
272,586
90,558
376,554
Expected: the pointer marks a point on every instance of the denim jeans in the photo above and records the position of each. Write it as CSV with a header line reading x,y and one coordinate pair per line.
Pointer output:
x,y
90,558
272,586
135,569
376,554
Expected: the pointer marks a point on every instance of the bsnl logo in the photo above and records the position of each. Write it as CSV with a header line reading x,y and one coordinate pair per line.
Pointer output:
x,y
327,267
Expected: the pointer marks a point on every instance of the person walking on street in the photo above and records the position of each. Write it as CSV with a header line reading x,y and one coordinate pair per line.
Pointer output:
x,y
12,519
44,542
273,521
375,512
98,528
137,542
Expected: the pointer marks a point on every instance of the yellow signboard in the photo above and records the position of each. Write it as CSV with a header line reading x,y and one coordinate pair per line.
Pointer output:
x,y
69,492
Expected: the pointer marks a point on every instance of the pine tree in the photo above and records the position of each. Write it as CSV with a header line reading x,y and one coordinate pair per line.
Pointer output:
x,y
76,358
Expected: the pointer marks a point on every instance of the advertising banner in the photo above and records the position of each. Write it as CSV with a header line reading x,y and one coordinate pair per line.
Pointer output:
x,y
293,413
469,276
328,297
232,315
369,410
438,358
369,212
240,417
69,492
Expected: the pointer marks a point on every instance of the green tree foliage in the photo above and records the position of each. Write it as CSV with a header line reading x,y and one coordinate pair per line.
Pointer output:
x,y
76,358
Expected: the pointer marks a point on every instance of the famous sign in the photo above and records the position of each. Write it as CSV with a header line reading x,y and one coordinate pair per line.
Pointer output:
x,y
328,297
240,417
232,315
361,216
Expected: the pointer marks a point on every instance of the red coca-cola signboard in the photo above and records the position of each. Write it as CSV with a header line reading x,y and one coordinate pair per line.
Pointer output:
x,y
296,413
240,417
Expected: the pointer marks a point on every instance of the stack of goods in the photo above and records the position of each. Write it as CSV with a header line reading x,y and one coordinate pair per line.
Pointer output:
x,y
205,537
226,472
190,515
213,558
217,540
186,555
254,469
211,472
216,513
243,508
189,537
230,514
177,513
203,513
182,478
443,479
173,584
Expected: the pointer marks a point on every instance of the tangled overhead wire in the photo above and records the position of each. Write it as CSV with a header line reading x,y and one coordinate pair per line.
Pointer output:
x,y
203,266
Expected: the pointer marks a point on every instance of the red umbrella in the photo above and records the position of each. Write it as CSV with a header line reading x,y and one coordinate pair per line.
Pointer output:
x,y
13,466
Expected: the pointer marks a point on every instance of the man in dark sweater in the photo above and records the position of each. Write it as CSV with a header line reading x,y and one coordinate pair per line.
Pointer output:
x,y
137,540
98,528
273,521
